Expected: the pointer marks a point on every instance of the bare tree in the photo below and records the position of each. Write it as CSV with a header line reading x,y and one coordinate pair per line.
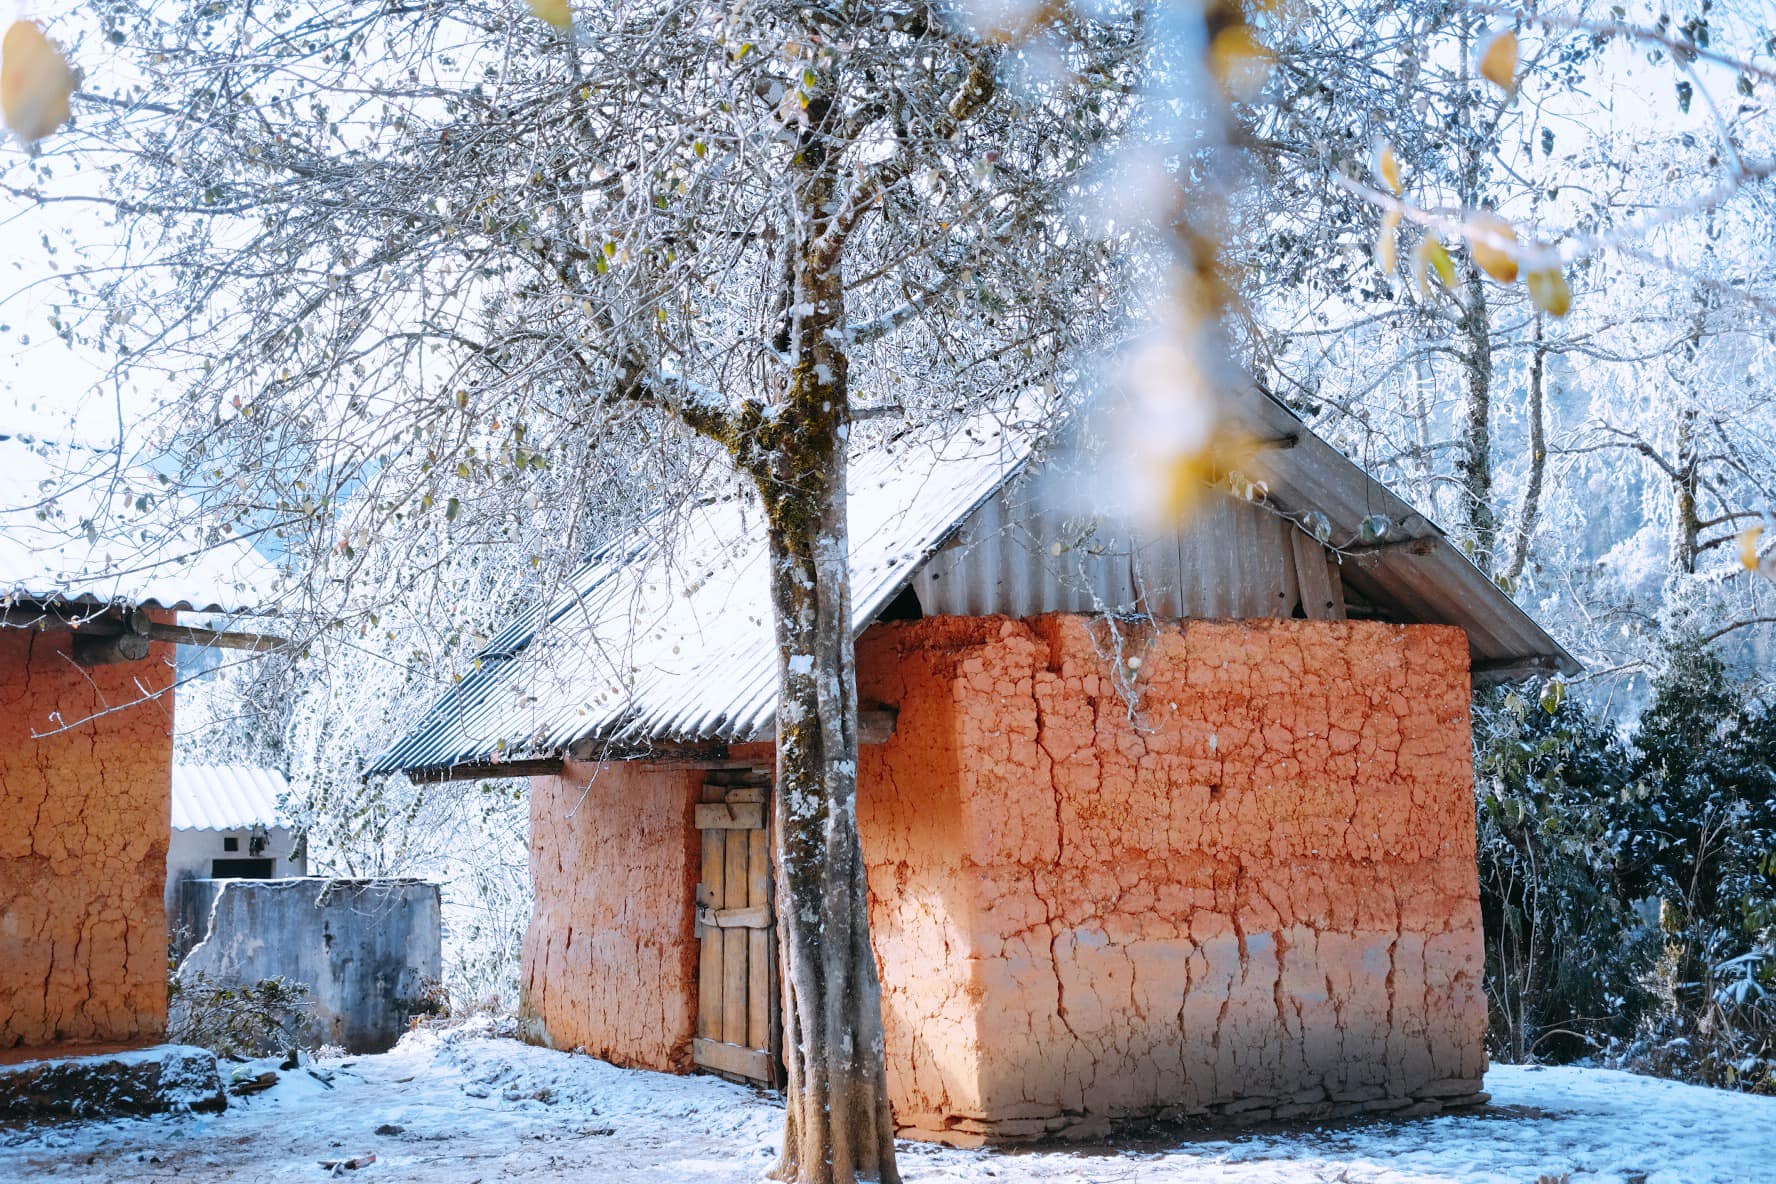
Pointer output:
x,y
1542,440
406,266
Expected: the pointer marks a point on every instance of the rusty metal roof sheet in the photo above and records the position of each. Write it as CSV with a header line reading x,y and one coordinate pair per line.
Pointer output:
x,y
667,636
77,527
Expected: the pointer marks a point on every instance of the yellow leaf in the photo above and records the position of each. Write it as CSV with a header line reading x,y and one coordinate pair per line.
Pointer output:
x,y
1431,257
555,12
35,82
1387,246
1485,231
1498,61
1748,547
1387,166
1550,291
1241,62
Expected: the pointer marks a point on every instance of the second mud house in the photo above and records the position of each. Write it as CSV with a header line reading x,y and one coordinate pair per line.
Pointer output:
x,y
93,575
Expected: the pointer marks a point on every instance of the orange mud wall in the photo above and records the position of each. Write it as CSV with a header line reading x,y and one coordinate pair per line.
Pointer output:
x,y
1255,898
610,957
85,817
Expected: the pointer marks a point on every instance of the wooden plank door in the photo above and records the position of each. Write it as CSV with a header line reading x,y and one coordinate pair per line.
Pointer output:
x,y
737,1020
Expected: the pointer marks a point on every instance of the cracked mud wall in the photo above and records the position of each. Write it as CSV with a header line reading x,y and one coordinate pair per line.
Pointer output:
x,y
1258,898
610,957
84,823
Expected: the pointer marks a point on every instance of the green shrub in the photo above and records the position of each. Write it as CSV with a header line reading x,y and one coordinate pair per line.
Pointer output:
x,y
235,1020
1628,888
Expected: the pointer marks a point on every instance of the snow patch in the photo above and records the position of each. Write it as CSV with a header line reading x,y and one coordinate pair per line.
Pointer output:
x,y
455,1106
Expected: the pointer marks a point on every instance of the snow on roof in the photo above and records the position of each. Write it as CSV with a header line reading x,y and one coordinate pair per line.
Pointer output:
x,y
226,797
668,637
79,527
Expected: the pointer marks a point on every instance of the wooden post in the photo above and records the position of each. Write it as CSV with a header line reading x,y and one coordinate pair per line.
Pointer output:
x,y
734,941
760,956
710,897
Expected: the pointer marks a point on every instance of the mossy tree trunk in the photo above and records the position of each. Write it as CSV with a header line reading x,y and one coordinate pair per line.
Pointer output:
x,y
838,1127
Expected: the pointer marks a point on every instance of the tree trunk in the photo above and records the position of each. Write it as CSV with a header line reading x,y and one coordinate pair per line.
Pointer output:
x,y
1686,522
1538,456
1475,465
837,1128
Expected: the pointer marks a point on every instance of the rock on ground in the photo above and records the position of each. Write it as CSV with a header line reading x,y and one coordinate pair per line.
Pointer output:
x,y
167,1077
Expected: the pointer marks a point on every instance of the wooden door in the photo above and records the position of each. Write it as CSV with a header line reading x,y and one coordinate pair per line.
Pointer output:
x,y
737,1019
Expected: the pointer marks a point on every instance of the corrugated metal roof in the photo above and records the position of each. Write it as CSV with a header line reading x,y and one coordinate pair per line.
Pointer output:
x,y
1028,551
663,640
226,797
671,638
76,527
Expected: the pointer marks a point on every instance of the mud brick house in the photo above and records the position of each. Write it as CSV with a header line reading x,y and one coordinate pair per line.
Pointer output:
x,y
95,565
1173,823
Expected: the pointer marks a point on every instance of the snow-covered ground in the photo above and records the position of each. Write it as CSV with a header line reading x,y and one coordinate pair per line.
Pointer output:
x,y
461,1106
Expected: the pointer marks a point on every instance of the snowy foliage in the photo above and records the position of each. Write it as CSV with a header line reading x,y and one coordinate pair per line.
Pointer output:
x,y
1630,887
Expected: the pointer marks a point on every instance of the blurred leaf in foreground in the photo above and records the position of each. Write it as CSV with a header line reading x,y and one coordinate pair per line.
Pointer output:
x,y
1550,291
35,82
1748,547
1498,61
555,12
1491,240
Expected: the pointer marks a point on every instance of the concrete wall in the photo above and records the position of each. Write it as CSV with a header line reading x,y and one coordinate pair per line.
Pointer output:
x,y
610,958
1256,898
191,853
369,950
84,817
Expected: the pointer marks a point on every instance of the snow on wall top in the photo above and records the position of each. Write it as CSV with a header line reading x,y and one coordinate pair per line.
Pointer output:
x,y
226,797
666,633
78,527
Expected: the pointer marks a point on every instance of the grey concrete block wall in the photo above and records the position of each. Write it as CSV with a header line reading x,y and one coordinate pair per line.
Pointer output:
x,y
370,951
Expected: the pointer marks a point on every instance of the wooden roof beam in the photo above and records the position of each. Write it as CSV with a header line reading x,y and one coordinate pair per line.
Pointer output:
x,y
1503,670
875,725
111,635
487,770
1415,546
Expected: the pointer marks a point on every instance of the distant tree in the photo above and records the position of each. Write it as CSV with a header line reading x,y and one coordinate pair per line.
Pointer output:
x,y
1702,818
1629,889
1541,441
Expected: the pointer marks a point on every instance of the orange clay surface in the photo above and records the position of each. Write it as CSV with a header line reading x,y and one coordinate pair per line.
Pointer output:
x,y
1253,896
84,822
610,958
1255,892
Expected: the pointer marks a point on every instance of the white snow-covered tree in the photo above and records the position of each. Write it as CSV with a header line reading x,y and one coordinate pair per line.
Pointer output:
x,y
1604,464
408,270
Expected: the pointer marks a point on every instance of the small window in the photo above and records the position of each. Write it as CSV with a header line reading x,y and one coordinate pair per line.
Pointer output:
x,y
241,869
231,844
